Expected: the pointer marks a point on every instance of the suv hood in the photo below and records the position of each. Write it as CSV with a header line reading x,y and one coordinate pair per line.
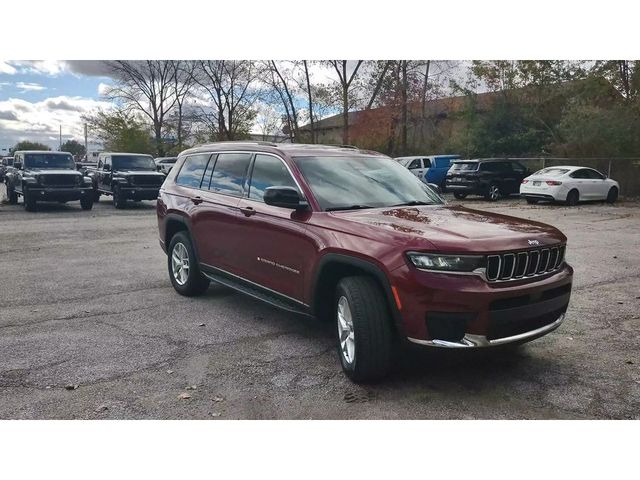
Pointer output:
x,y
137,172
52,171
455,228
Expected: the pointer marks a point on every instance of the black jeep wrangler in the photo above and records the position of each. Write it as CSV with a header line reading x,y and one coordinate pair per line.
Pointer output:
x,y
47,176
125,176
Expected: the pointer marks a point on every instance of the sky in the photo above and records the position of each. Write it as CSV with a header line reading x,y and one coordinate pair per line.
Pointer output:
x,y
39,97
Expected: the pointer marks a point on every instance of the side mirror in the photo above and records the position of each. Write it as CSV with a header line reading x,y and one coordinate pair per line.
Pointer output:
x,y
285,197
435,187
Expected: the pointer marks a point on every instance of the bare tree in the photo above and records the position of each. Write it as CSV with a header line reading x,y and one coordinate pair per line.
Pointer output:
x,y
345,80
231,87
148,87
310,98
182,85
283,86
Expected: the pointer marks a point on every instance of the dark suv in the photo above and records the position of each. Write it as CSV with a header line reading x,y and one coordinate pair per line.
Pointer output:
x,y
47,176
491,178
125,176
352,236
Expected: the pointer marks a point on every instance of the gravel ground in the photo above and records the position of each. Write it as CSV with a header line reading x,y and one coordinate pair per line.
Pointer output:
x,y
85,303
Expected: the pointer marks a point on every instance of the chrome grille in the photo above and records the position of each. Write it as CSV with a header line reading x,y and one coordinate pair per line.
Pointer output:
x,y
530,263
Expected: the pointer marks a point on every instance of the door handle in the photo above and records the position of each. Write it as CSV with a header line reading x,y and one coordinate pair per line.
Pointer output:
x,y
247,211
196,200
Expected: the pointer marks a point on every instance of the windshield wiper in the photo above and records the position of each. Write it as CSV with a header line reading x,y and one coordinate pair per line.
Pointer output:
x,y
412,203
351,207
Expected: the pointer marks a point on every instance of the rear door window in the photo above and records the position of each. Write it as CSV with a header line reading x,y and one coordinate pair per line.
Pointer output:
x,y
427,163
229,173
192,170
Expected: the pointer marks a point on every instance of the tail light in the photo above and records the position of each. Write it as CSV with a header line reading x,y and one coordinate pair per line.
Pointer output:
x,y
525,181
553,182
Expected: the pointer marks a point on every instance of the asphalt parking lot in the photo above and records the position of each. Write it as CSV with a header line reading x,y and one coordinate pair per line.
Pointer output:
x,y
90,328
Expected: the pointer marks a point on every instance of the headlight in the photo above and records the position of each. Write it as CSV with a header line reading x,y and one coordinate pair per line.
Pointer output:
x,y
446,263
87,180
79,179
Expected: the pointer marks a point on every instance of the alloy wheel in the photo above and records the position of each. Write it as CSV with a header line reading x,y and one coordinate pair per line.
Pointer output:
x,y
345,331
180,263
494,192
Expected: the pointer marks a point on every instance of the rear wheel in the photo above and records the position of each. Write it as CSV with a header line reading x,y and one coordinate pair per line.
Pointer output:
x,y
612,196
573,197
364,331
531,201
96,196
460,195
29,200
184,272
118,199
86,203
493,193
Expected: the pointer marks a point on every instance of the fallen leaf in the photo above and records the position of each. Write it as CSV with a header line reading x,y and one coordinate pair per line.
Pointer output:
x,y
629,362
192,387
169,372
71,387
101,408
184,396
218,399
215,414
201,324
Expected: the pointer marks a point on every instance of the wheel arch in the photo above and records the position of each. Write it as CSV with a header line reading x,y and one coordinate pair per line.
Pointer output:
x,y
331,268
175,223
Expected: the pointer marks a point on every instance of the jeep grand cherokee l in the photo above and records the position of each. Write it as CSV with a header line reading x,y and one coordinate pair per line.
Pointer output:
x,y
47,176
352,236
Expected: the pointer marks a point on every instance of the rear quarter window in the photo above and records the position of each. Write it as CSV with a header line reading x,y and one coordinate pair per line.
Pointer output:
x,y
192,170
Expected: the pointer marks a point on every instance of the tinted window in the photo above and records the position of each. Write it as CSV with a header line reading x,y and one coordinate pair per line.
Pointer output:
x,y
427,163
495,167
268,171
464,166
582,173
363,182
133,162
48,160
594,175
518,168
415,164
192,170
229,173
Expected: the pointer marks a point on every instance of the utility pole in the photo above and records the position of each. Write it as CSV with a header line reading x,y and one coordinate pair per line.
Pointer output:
x,y
60,147
86,144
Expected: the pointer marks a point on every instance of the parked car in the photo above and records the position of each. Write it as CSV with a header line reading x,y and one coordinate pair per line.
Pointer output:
x,y
5,163
490,177
351,236
430,169
125,176
47,176
569,185
165,164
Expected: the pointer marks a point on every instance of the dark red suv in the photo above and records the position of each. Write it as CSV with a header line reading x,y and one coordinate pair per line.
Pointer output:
x,y
352,236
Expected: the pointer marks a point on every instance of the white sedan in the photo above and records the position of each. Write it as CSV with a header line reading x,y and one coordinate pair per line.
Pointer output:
x,y
568,184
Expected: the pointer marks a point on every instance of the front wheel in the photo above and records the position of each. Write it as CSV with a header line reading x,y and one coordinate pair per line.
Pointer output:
x,y
364,330
12,196
573,197
531,201
184,271
119,200
460,195
612,196
29,200
86,203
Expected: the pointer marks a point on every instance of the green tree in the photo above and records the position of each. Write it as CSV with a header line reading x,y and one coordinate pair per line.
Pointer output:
x,y
121,131
73,147
27,145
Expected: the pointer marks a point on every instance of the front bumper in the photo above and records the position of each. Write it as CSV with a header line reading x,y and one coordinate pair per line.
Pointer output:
x,y
60,194
140,193
456,310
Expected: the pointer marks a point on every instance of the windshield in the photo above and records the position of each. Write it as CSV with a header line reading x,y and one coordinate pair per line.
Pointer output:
x,y
344,183
553,172
48,160
464,166
133,162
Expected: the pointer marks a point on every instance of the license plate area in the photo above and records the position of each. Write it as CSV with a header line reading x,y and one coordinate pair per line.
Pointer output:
x,y
536,184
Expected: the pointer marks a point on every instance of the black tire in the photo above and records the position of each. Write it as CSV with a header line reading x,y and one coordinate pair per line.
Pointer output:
x,y
12,196
573,197
612,196
196,283
96,196
371,326
86,203
29,200
460,195
532,201
493,192
118,200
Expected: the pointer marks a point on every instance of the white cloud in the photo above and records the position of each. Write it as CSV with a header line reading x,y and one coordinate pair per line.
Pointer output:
x,y
40,121
6,68
103,88
47,67
29,87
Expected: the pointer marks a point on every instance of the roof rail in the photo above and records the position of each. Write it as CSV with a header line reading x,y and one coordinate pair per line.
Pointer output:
x,y
343,146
